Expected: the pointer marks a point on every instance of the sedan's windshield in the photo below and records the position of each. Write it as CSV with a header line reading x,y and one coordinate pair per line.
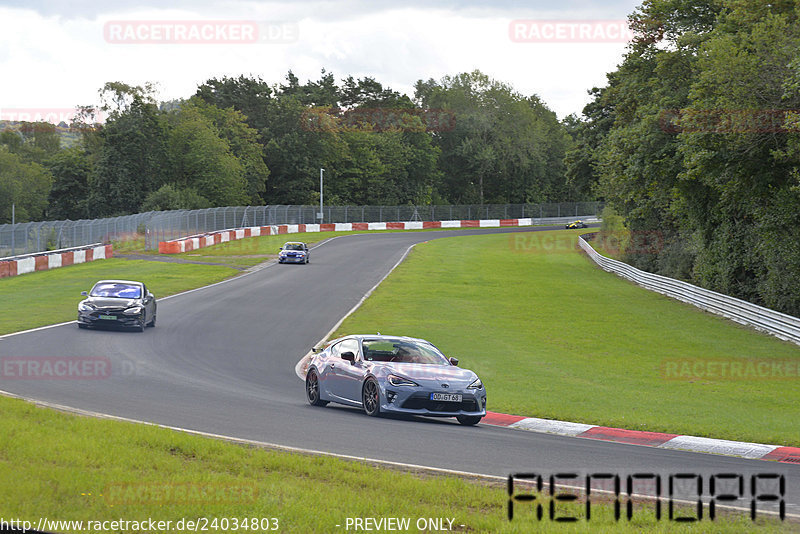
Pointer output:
x,y
383,350
292,246
116,290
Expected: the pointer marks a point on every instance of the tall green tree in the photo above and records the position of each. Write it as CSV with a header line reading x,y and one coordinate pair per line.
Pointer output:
x,y
68,196
132,161
25,186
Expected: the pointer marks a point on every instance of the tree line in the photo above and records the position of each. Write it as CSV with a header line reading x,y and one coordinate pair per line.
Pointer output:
x,y
239,140
694,146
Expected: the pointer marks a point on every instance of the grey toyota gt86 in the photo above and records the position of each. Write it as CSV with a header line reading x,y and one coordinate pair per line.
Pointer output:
x,y
390,374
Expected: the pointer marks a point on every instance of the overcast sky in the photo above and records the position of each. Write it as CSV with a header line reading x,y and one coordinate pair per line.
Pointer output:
x,y
56,55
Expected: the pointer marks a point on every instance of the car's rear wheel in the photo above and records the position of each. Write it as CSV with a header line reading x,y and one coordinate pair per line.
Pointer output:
x,y
468,420
370,396
312,389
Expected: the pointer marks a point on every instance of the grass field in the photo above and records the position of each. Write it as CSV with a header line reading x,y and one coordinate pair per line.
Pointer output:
x,y
554,336
47,297
102,470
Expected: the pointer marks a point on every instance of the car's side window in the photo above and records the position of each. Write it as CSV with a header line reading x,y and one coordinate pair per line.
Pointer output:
x,y
335,350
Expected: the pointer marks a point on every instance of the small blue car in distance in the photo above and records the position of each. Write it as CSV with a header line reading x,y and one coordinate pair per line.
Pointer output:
x,y
294,252
391,374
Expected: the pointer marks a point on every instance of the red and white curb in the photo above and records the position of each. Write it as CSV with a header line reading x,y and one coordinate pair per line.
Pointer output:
x,y
53,259
723,447
186,244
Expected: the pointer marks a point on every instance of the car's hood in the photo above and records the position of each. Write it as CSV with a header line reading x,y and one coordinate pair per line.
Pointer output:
x,y
106,302
417,372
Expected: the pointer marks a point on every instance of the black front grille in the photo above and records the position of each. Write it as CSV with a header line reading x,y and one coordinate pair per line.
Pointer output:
x,y
423,402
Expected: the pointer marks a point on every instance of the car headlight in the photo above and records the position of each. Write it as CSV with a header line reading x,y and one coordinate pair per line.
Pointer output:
x,y
136,310
476,384
85,306
400,381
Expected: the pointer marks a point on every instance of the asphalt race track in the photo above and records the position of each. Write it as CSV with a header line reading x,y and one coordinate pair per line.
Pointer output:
x,y
222,358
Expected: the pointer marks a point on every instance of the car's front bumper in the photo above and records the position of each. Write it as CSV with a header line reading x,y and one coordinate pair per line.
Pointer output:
x,y
120,319
416,401
292,259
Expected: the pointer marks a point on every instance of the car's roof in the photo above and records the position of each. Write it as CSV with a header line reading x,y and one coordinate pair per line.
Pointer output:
x,y
294,243
381,337
119,282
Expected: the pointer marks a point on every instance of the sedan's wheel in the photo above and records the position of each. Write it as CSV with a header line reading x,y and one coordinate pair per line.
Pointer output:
x,y
371,398
81,325
468,420
153,322
312,389
141,326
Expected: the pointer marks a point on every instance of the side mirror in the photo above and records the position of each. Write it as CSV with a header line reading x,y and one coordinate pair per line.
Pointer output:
x,y
454,361
84,293
316,349
349,356
280,249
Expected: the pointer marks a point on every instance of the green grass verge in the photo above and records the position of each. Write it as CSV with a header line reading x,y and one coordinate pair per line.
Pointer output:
x,y
102,470
554,336
47,297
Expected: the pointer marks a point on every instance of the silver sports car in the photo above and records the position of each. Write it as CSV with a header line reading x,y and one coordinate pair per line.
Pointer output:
x,y
384,374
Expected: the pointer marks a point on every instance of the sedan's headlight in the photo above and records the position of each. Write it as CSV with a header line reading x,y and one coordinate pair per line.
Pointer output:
x,y
85,306
477,384
136,310
400,381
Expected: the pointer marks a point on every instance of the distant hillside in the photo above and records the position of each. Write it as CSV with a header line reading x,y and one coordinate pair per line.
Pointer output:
x,y
68,137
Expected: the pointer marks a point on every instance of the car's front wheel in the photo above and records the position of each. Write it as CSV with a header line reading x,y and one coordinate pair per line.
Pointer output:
x,y
312,389
371,397
468,420
141,326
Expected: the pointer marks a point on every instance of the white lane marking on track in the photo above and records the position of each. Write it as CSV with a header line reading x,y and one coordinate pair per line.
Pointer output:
x,y
247,272
300,450
299,369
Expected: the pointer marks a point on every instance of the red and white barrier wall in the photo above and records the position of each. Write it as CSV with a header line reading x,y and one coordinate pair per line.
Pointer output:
x,y
53,259
186,244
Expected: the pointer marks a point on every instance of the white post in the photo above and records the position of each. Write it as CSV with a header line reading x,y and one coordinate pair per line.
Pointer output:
x,y
320,215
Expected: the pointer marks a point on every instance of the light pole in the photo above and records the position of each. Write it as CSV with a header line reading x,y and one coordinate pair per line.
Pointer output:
x,y
319,215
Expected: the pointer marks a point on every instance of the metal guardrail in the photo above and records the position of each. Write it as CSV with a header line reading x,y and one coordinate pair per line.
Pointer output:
x,y
773,322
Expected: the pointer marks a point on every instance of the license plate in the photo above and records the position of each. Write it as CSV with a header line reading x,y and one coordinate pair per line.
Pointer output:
x,y
108,317
446,397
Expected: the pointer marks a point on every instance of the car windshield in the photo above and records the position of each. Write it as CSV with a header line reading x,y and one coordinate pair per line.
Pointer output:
x,y
383,350
292,246
117,290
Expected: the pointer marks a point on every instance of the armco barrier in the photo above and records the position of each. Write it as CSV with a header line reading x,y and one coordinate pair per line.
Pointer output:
x,y
776,323
53,259
186,244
